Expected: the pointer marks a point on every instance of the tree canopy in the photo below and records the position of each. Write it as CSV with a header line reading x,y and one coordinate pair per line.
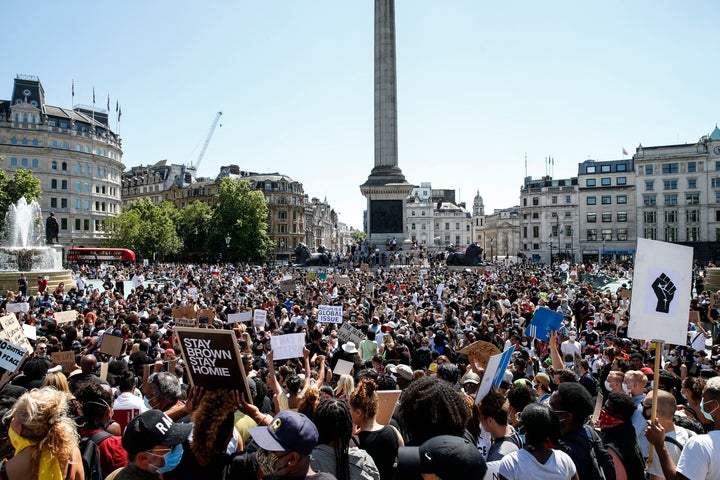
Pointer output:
x,y
21,184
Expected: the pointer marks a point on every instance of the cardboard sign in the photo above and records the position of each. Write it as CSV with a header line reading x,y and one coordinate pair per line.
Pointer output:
x,y
184,312
11,355
186,322
239,317
330,314
481,351
259,318
206,312
348,333
104,370
342,280
714,300
287,346
287,286
343,367
65,359
212,359
625,294
23,307
111,345
65,317
387,402
662,282
14,333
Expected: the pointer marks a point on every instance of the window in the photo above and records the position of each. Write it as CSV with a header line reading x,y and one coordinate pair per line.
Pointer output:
x,y
79,169
592,217
591,201
590,182
63,224
717,197
649,217
447,225
553,199
692,183
35,163
78,204
78,187
63,166
692,198
649,185
53,203
606,182
24,163
621,167
53,165
86,205
622,216
670,184
591,235
605,168
692,167
606,199
607,234
621,181
621,199
622,234
535,201
606,217
650,233
692,216
535,215
692,234
64,185
590,169
14,162
63,203
86,187
671,216
53,183
671,199
77,224
670,234
413,226
567,199
525,228
536,231
568,214
668,168
715,182
86,224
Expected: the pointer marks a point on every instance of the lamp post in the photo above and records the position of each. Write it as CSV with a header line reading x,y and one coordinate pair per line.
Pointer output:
x,y
227,244
492,250
551,249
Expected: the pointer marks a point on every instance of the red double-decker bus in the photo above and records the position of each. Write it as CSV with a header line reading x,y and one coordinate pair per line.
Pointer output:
x,y
100,255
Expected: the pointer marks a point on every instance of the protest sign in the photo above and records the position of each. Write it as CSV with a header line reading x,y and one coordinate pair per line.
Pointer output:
x,y
17,307
212,358
186,322
387,401
11,355
330,314
481,351
104,370
184,312
343,367
322,276
543,322
287,286
30,331
206,312
660,301
287,346
259,318
239,317
342,280
65,317
497,364
14,332
111,345
65,359
193,291
310,275
625,294
348,333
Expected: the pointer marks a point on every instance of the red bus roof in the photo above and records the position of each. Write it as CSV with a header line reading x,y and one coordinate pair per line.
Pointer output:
x,y
100,254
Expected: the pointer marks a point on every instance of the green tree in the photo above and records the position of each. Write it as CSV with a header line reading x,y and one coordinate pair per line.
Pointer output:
x,y
193,226
21,184
146,228
358,236
242,215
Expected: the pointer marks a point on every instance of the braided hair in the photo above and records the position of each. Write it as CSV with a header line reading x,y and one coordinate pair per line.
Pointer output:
x,y
334,424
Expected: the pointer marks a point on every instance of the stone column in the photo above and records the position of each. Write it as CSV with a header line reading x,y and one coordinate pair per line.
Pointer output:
x,y
386,154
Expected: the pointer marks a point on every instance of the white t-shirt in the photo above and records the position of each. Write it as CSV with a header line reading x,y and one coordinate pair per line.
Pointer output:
x,y
700,459
570,348
681,435
523,465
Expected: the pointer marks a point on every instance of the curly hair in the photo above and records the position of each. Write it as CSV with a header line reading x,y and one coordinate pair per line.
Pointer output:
x,y
210,417
439,404
95,400
309,401
364,400
42,413
495,406
335,426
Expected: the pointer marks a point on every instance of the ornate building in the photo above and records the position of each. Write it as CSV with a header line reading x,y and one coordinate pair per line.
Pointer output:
x,y
154,181
435,220
73,152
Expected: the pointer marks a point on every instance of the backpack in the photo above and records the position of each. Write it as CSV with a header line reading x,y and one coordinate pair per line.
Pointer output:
x,y
602,466
91,455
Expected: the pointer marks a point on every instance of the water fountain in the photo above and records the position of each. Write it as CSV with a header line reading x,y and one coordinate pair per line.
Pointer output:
x,y
22,248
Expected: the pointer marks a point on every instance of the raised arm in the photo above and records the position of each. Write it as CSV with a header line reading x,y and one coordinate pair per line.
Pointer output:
x,y
321,372
306,366
557,361
271,379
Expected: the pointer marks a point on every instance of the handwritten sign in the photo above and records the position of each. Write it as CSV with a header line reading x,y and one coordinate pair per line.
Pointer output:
x,y
239,317
287,346
348,333
65,359
206,312
11,355
287,286
17,307
481,351
65,317
342,280
14,332
343,367
330,314
186,322
259,318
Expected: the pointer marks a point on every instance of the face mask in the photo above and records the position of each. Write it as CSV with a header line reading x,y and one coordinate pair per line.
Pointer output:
x,y
267,462
490,329
569,364
696,359
147,403
625,388
607,421
704,366
608,387
582,344
524,344
172,459
14,437
573,337
671,358
707,414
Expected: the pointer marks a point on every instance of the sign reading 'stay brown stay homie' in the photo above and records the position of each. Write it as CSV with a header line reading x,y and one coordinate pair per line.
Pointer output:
x,y
212,359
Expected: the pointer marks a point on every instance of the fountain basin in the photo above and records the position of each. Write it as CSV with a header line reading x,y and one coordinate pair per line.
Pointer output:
x,y
8,280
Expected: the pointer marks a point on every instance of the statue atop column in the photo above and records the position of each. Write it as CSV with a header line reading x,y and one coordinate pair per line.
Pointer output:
x,y
52,229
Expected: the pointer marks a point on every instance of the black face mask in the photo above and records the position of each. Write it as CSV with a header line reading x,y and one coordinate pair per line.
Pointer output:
x,y
646,412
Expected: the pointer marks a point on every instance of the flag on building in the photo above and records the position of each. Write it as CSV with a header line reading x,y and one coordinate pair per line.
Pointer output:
x,y
73,89
93,95
108,104
119,113
624,151
117,105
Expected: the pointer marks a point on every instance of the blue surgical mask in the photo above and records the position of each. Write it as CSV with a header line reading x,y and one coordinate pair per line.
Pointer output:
x,y
704,366
671,358
569,364
172,459
147,403
707,414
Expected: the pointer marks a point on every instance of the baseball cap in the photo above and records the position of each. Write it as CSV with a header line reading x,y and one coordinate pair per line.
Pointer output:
x,y
543,378
151,429
446,456
288,432
471,377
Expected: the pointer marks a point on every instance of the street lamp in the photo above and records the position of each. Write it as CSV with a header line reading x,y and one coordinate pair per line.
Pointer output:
x,y
551,249
227,243
492,251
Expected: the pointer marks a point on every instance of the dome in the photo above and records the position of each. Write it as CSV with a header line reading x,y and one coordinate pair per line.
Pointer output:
x,y
715,135
478,198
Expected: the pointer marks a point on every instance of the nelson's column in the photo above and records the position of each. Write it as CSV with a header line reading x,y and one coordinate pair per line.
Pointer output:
x,y
386,189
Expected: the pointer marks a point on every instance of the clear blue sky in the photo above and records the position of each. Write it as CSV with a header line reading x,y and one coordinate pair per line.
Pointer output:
x,y
480,84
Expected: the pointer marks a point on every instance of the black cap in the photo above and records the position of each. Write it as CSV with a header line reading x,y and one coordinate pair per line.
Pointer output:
x,y
446,456
151,429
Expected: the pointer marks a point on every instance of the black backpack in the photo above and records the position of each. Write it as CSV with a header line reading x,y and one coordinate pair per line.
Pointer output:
x,y
602,466
91,455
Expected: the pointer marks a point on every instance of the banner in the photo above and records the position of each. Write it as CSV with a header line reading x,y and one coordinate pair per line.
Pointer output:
x,y
65,317
239,317
329,314
11,355
662,282
481,351
14,332
287,346
212,359
543,322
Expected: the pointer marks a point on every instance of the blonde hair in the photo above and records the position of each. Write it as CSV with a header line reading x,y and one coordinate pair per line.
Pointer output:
x,y
345,385
43,415
58,381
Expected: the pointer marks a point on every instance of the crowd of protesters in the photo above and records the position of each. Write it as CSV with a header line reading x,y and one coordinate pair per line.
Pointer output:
x,y
303,421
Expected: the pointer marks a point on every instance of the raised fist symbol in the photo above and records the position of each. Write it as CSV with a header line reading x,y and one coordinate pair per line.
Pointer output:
x,y
664,290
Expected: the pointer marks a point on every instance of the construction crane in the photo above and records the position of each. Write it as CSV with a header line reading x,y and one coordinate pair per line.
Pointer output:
x,y
196,163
